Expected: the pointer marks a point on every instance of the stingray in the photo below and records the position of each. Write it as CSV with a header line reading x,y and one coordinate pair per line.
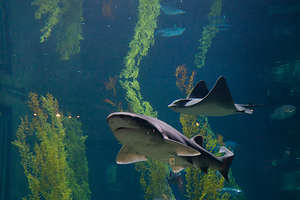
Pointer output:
x,y
216,102
144,138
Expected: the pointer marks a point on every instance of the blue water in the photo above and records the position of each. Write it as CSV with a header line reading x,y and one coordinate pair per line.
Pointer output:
x,y
260,33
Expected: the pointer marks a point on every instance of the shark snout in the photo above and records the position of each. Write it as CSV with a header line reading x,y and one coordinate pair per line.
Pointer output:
x,y
118,121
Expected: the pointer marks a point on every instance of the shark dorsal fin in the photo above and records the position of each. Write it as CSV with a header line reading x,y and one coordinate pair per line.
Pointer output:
x,y
198,139
181,149
127,156
199,91
220,94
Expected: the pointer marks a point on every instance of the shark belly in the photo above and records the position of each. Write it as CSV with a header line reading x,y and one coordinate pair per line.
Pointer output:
x,y
143,142
163,153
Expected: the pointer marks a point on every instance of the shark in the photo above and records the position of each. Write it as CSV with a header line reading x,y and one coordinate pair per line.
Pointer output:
x,y
168,10
143,137
216,102
170,32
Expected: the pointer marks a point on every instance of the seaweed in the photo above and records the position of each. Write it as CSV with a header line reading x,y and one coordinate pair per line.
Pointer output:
x,y
64,16
153,174
49,145
208,34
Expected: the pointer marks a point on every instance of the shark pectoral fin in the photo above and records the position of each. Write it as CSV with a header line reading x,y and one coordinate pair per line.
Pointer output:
x,y
181,149
126,156
177,169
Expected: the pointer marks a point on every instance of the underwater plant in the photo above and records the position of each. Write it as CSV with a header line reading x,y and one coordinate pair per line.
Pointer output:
x,y
181,76
153,174
44,162
138,48
66,17
208,34
201,185
52,152
77,160
153,179
69,32
52,10
116,105
111,85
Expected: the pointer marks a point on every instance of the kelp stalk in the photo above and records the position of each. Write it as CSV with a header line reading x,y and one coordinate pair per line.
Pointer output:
x,y
153,173
64,16
208,34
138,48
49,146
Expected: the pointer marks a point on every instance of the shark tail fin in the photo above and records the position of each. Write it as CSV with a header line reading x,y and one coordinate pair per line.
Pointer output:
x,y
227,160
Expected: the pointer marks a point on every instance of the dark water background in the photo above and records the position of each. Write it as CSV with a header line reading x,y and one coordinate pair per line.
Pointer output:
x,y
244,54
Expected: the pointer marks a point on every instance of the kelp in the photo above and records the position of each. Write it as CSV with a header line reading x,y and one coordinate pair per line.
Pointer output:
x,y
208,33
77,160
69,32
49,146
65,17
143,39
182,83
153,174
153,179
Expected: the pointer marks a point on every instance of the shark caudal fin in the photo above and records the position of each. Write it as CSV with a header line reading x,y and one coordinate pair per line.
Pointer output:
x,y
226,159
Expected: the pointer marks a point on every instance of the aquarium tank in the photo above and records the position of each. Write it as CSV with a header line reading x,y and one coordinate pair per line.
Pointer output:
x,y
149,99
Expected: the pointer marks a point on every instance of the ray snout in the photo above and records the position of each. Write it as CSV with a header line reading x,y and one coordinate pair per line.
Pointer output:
x,y
171,105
